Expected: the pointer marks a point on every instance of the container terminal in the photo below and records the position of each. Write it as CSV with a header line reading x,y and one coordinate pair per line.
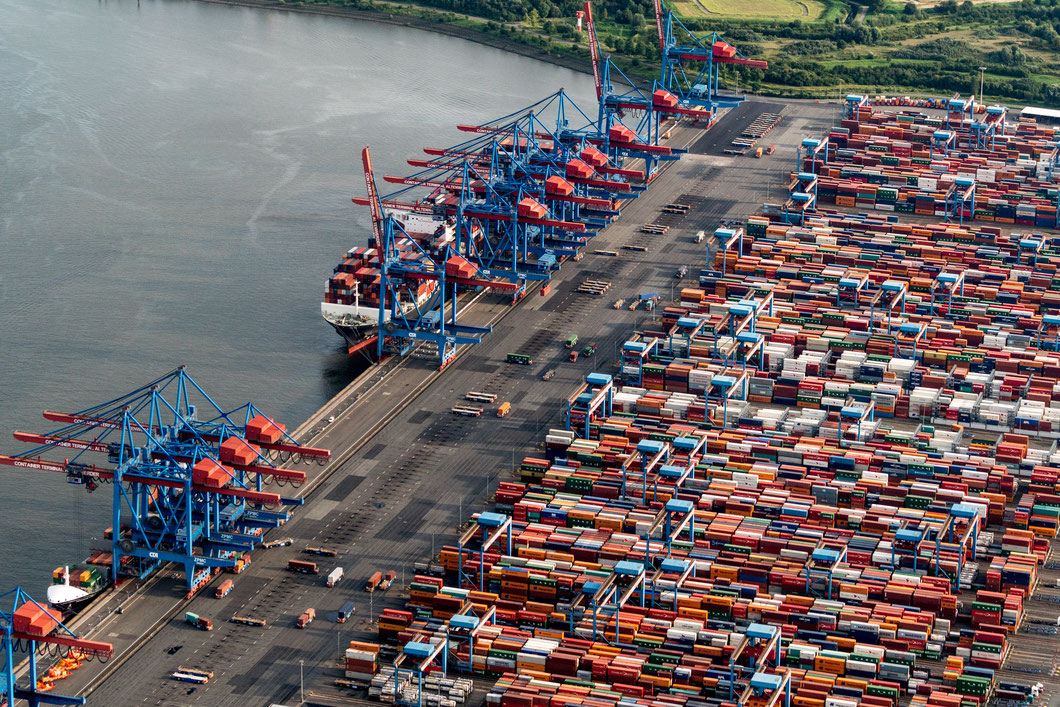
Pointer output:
x,y
809,456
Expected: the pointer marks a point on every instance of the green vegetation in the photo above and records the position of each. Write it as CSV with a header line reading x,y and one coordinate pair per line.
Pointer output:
x,y
814,47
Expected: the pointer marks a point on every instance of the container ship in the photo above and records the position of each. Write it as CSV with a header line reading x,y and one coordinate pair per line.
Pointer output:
x,y
74,587
351,296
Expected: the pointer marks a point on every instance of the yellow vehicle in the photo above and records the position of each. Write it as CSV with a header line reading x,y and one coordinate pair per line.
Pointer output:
x,y
504,409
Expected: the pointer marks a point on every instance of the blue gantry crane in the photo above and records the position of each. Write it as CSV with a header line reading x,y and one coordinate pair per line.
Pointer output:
x,y
31,629
188,478
503,209
691,65
618,95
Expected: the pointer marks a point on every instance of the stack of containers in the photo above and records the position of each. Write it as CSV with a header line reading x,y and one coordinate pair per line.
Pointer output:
x,y
392,622
362,660
832,541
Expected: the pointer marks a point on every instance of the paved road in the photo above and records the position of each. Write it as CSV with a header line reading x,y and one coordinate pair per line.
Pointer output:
x,y
402,492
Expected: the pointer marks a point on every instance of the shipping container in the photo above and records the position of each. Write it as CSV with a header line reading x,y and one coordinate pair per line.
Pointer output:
x,y
303,567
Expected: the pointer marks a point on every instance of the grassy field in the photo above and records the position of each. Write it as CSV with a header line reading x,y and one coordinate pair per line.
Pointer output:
x,y
781,10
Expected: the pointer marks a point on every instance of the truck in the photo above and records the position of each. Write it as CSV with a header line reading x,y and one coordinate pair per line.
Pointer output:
x,y
197,621
771,149
700,236
573,356
388,579
572,341
373,581
345,612
224,588
548,374
681,272
208,674
334,576
589,349
504,409
303,567
306,618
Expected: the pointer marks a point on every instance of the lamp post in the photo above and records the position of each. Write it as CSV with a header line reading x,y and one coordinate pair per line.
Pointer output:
x,y
301,681
982,69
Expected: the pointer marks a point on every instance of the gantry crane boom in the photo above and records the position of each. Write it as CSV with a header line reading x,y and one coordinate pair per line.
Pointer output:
x,y
72,443
70,419
373,200
60,441
92,471
659,25
413,208
594,51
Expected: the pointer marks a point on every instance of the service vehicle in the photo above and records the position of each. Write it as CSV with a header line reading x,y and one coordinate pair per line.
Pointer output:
x,y
248,621
281,542
388,579
373,581
306,618
197,621
323,552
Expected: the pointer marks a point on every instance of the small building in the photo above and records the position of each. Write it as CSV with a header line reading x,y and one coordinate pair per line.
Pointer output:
x,y
1045,116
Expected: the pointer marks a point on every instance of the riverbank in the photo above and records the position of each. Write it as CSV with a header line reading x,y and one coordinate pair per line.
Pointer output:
x,y
508,45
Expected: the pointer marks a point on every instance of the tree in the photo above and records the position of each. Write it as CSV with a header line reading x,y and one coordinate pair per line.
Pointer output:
x,y
910,9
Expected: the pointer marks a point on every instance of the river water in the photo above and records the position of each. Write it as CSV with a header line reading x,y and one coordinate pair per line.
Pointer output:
x,y
175,183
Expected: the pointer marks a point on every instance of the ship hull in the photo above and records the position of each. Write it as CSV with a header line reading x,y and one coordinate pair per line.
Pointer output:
x,y
75,605
357,338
